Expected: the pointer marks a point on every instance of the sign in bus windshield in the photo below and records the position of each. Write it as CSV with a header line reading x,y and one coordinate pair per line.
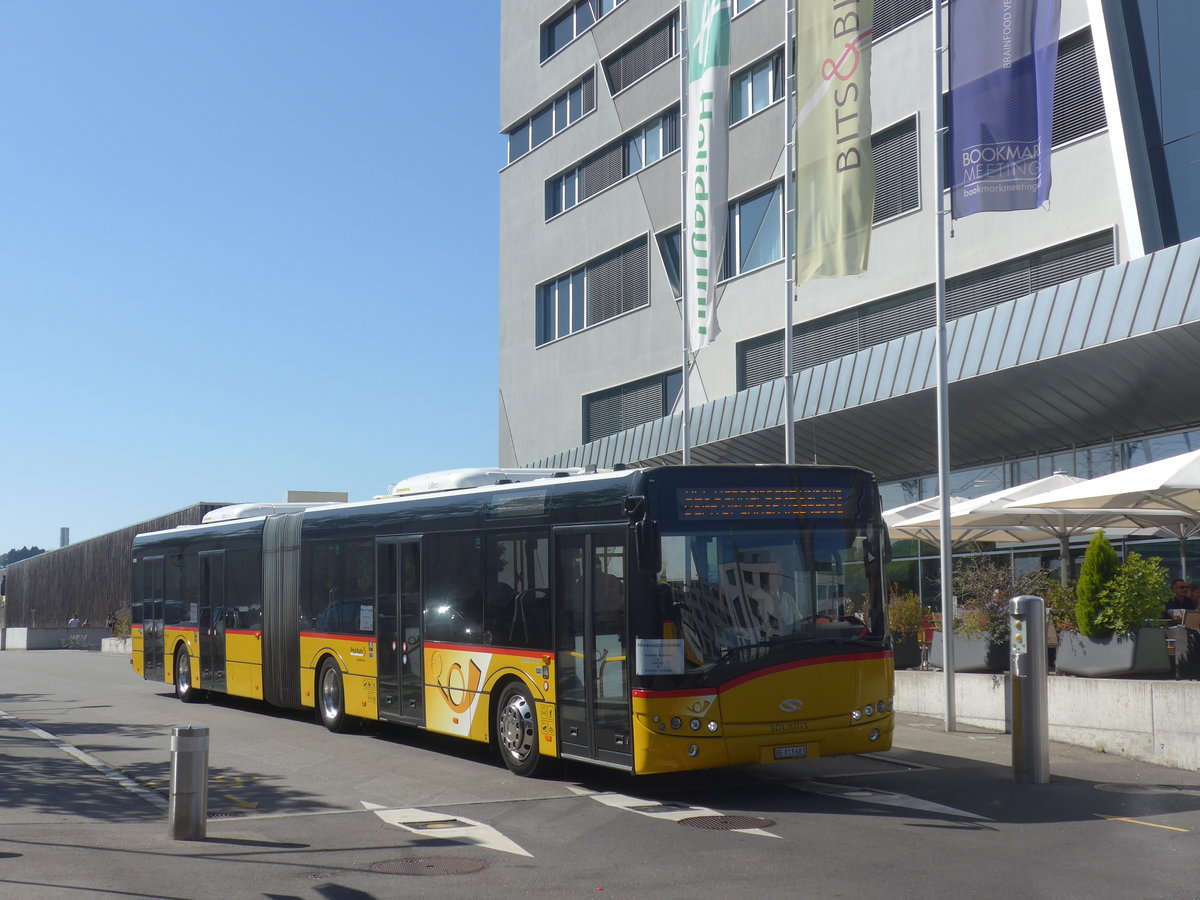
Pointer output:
x,y
761,503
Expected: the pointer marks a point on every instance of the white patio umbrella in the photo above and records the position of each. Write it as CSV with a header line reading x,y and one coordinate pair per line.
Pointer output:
x,y
1011,512
1169,485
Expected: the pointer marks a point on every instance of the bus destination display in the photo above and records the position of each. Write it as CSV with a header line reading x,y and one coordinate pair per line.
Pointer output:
x,y
760,503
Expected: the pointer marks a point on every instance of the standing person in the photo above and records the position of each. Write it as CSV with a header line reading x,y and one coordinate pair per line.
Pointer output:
x,y
73,622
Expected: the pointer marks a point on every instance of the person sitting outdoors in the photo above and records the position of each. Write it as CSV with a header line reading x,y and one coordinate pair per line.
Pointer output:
x,y
1181,599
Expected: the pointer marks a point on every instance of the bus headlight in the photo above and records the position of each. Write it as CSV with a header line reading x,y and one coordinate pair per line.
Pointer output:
x,y
693,751
694,724
869,709
879,707
855,715
676,722
712,727
874,735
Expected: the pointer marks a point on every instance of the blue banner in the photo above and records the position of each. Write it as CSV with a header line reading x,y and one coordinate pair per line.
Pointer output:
x,y
1003,55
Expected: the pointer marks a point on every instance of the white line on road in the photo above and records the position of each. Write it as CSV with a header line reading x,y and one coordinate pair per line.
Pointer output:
x,y
882,798
655,810
447,828
87,759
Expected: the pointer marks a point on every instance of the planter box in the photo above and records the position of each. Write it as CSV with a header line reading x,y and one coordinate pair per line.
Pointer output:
x,y
906,652
971,654
1144,652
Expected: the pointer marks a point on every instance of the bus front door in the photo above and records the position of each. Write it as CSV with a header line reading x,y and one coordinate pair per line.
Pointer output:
x,y
593,659
398,630
212,620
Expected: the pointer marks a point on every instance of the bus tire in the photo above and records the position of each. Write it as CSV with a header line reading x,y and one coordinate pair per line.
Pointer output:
x,y
517,732
331,698
184,689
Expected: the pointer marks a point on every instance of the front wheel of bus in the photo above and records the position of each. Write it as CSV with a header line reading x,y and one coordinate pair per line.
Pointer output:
x,y
184,689
331,700
517,733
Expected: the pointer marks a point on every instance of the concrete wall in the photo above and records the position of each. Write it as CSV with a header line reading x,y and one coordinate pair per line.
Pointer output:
x,y
54,638
1155,721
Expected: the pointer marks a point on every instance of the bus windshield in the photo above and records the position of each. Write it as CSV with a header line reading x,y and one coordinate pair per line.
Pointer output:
x,y
732,593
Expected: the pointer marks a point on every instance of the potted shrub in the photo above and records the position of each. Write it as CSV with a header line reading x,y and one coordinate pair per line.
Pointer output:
x,y
1116,613
981,634
904,621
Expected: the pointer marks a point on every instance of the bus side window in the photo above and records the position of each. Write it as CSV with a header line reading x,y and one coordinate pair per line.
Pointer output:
x,y
455,595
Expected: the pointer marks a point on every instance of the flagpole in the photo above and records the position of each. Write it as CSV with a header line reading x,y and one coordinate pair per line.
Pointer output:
x,y
789,239
683,278
943,411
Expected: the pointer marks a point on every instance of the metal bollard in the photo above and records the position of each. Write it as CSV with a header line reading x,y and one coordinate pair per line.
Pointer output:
x,y
189,783
1030,712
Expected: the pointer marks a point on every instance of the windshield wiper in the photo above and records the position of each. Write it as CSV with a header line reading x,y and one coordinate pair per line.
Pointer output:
x,y
759,645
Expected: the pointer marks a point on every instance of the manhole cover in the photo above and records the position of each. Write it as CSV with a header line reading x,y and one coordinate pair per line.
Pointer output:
x,y
726,823
430,865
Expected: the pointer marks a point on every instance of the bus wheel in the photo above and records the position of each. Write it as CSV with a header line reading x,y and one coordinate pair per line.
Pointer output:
x,y
517,732
184,689
331,701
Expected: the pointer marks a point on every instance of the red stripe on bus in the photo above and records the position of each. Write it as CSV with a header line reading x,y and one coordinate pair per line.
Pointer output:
x,y
487,648
321,635
644,693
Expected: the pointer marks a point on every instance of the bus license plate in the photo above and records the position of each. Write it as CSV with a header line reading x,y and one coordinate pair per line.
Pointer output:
x,y
791,752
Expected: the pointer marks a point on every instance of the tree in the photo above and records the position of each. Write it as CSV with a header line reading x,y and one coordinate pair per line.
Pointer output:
x,y
15,555
1100,565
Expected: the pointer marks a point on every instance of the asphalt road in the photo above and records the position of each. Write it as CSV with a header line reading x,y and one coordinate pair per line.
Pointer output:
x,y
297,812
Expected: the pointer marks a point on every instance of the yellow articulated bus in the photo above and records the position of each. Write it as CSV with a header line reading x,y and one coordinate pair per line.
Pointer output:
x,y
650,620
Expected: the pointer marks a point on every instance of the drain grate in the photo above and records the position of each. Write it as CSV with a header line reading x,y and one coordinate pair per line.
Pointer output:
x,y
227,814
726,823
429,865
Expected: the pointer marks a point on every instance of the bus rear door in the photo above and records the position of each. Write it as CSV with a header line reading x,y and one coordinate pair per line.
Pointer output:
x,y
152,617
212,620
593,658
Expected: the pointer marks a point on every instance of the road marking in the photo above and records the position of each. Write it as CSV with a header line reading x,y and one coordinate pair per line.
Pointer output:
x,y
447,828
655,810
882,798
1140,822
87,759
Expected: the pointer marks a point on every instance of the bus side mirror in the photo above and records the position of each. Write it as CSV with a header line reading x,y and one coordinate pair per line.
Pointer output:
x,y
646,542
645,535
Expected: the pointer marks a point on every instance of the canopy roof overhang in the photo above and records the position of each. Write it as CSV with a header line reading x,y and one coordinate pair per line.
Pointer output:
x,y
1113,355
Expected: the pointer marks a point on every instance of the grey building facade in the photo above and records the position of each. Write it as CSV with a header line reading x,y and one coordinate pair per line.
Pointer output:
x,y
1075,328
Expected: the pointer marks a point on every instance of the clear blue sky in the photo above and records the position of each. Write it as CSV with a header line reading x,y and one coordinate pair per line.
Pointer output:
x,y
246,246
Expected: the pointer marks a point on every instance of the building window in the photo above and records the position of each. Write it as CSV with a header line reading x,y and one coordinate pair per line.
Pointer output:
x,y
1078,101
891,15
616,409
605,288
668,249
643,54
897,169
755,235
821,340
572,22
754,89
620,159
740,6
564,110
